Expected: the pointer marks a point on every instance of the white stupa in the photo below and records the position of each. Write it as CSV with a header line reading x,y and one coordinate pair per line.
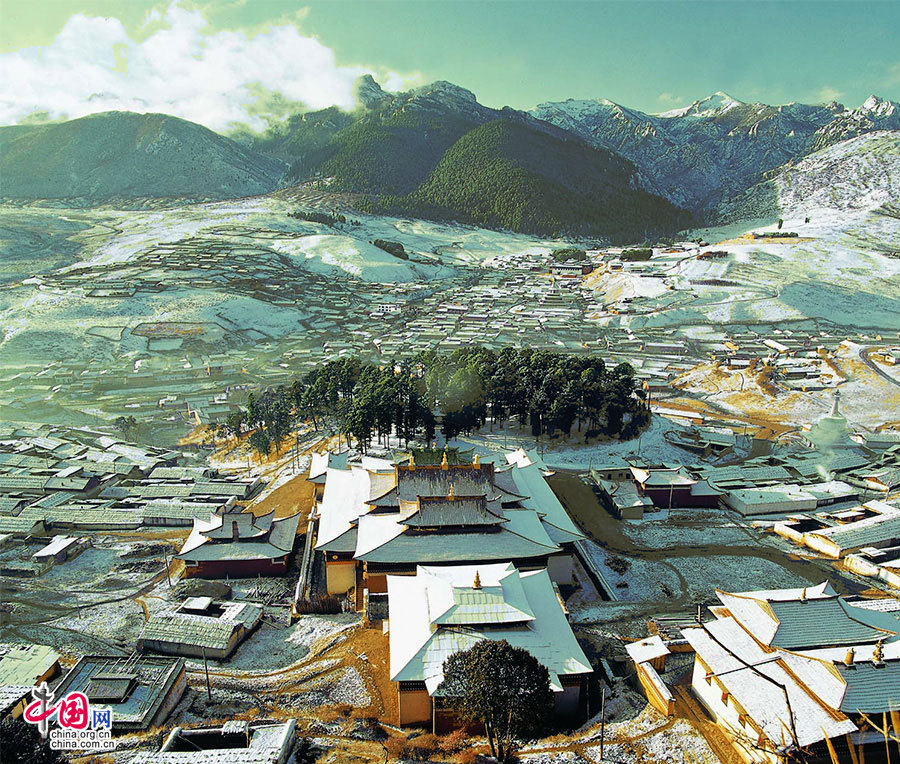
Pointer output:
x,y
832,430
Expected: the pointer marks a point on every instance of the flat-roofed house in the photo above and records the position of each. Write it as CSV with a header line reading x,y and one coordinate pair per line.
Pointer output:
x,y
22,664
442,610
141,690
200,627
235,742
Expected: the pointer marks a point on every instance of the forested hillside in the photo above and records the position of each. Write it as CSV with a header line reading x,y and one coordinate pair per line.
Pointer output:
x,y
435,152
503,174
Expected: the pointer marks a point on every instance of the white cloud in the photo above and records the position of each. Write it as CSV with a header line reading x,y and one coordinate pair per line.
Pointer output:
x,y
671,99
828,94
892,79
212,79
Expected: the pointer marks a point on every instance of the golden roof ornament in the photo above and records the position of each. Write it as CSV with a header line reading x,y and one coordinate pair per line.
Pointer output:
x,y
444,463
476,584
848,658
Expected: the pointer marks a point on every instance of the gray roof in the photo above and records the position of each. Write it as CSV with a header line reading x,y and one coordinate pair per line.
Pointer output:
x,y
868,535
11,694
871,689
200,630
820,622
440,511
456,547
156,677
465,481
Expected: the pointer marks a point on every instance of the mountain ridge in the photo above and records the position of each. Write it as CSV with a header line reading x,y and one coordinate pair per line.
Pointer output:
x,y
700,154
125,154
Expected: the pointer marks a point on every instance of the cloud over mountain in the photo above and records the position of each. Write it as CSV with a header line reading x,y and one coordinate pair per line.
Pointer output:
x,y
215,78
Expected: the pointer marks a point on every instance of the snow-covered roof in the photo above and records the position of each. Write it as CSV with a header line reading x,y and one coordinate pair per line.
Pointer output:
x,y
646,649
264,537
427,610
57,544
343,502
523,458
779,691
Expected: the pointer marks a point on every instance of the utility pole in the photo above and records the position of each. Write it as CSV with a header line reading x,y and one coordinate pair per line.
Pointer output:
x,y
168,576
602,720
206,669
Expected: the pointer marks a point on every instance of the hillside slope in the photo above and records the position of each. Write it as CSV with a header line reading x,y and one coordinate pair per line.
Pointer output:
x,y
718,146
850,178
436,152
503,174
127,155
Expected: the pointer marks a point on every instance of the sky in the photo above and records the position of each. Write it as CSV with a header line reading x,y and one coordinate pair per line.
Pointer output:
x,y
227,63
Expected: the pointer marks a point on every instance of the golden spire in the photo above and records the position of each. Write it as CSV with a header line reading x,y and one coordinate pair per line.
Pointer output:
x,y
475,463
412,460
878,654
476,584
450,495
444,463
848,658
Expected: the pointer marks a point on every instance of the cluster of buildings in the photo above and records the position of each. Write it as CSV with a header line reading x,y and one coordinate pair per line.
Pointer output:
x,y
500,309
58,483
866,537
141,691
446,551
834,470
789,674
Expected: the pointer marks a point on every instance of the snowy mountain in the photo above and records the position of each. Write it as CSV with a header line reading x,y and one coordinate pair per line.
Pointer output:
x,y
846,180
717,146
122,155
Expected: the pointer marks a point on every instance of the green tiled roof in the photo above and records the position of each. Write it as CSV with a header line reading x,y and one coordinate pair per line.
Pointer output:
x,y
456,547
820,622
441,511
871,689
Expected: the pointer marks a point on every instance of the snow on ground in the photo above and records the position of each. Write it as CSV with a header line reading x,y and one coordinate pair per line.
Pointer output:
x,y
325,252
276,646
618,286
652,446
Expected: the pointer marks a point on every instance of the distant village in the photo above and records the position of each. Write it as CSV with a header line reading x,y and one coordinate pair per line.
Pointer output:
x,y
724,587
197,373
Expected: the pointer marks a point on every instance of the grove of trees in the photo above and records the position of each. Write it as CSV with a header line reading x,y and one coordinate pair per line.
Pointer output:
x,y
556,395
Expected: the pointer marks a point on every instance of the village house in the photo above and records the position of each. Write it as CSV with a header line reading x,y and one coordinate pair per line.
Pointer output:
x,y
235,742
442,610
141,690
27,665
866,537
200,628
237,544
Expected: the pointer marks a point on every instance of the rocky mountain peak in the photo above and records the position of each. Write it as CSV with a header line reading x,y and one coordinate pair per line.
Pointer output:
x,y
879,107
446,91
367,92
